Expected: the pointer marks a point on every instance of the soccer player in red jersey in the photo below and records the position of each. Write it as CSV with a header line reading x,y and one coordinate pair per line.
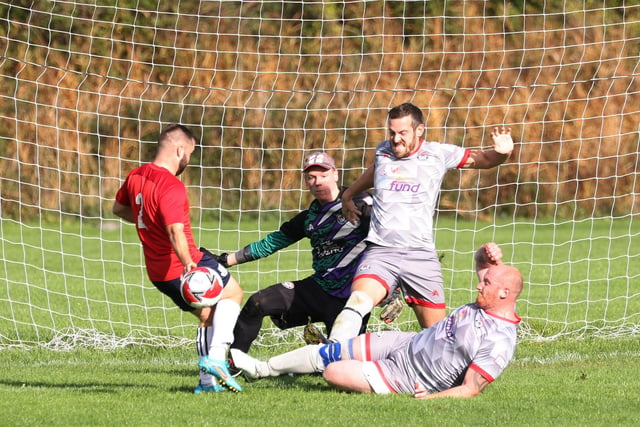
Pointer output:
x,y
155,200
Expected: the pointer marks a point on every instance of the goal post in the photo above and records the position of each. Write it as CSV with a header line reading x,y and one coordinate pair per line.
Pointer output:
x,y
86,89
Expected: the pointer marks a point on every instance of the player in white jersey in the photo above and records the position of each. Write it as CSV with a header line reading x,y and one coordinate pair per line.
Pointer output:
x,y
457,357
406,177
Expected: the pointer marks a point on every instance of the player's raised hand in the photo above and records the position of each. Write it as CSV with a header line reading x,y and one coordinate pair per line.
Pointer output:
x,y
488,255
502,141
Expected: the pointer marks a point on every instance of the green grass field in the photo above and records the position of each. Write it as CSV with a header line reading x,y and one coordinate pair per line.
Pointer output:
x,y
575,383
580,285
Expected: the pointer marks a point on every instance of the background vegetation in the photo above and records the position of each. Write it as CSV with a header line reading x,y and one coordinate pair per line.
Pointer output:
x,y
86,88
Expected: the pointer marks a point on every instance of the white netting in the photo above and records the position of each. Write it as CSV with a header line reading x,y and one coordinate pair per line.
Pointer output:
x,y
85,89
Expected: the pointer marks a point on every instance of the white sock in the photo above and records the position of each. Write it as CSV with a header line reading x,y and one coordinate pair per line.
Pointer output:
x,y
304,360
203,338
224,320
251,366
349,321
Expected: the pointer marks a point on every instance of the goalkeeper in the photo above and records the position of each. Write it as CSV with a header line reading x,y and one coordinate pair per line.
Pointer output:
x,y
337,246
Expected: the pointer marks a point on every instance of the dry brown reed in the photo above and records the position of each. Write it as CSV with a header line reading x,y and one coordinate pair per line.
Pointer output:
x,y
86,90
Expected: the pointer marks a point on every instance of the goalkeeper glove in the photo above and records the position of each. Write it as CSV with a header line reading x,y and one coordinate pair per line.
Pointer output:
x,y
392,307
313,335
222,259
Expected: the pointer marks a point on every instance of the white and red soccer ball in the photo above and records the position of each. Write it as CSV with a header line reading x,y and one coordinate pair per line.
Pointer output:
x,y
201,287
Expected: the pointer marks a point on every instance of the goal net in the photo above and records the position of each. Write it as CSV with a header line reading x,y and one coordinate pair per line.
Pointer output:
x,y
86,88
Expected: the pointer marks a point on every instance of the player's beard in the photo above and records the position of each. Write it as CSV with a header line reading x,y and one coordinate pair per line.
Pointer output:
x,y
485,302
406,149
182,166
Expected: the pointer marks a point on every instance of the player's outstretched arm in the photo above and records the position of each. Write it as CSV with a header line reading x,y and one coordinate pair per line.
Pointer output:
x,y
364,182
471,386
502,148
290,232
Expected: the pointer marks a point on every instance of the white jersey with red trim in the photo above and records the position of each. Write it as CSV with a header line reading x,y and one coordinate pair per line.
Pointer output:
x,y
406,191
469,338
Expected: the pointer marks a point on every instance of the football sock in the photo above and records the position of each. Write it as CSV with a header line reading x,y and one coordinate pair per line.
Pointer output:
x,y
203,338
224,320
349,321
303,360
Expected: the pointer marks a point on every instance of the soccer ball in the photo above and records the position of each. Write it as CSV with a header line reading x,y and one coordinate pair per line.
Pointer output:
x,y
201,287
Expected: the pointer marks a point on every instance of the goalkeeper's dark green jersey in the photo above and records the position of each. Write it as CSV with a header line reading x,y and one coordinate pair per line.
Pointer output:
x,y
337,245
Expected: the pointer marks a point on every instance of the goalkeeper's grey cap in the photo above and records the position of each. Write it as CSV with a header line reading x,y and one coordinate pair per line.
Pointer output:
x,y
320,159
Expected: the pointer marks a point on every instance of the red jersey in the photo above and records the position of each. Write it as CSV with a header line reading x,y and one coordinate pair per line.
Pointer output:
x,y
158,199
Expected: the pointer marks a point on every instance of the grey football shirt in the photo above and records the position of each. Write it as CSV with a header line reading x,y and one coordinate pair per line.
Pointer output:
x,y
406,192
469,338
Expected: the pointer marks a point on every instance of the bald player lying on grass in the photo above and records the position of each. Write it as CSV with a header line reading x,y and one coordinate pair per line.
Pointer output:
x,y
457,357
